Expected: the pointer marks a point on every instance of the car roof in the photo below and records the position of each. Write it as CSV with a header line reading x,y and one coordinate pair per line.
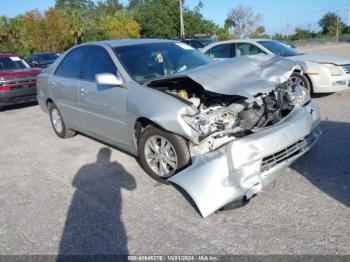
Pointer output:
x,y
6,55
127,42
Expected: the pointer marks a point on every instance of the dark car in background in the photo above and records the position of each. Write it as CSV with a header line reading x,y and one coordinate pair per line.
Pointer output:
x,y
17,80
289,44
198,43
42,60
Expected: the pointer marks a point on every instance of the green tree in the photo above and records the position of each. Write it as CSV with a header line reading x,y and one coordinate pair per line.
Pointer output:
x,y
260,32
158,18
118,26
301,34
79,4
79,24
330,22
48,32
108,7
11,35
134,4
196,24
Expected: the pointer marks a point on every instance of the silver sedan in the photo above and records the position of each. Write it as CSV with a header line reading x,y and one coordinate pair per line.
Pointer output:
x,y
319,74
220,130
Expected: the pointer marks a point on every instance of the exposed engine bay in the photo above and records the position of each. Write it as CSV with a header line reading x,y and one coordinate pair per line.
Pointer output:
x,y
229,115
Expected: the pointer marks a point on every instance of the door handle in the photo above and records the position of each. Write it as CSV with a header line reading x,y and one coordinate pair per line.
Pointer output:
x,y
83,91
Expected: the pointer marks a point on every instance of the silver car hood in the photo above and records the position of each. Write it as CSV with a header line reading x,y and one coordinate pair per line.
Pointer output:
x,y
323,59
245,76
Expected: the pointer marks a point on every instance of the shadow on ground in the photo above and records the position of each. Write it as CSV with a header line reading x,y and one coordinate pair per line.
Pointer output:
x,y
93,225
15,107
327,165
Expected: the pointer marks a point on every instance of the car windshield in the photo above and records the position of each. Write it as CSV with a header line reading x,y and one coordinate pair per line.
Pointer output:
x,y
279,48
147,61
47,57
13,62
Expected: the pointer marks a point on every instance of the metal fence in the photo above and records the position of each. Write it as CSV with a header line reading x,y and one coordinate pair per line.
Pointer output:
x,y
322,40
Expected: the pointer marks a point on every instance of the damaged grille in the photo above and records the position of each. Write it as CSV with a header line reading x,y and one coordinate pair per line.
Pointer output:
x,y
298,147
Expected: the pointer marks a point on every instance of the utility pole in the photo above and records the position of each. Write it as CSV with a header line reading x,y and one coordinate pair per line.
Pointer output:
x,y
337,34
182,29
287,27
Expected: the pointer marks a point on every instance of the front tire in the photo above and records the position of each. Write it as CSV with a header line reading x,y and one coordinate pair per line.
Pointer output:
x,y
162,154
58,124
301,80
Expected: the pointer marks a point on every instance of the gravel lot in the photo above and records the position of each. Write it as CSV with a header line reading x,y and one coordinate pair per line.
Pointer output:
x,y
56,198
341,49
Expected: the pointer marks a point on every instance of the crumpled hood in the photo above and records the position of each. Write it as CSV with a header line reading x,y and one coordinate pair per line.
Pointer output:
x,y
245,76
321,59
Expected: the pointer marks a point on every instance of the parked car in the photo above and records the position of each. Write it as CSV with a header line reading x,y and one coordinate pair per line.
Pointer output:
x,y
198,43
289,44
42,60
321,74
221,130
17,80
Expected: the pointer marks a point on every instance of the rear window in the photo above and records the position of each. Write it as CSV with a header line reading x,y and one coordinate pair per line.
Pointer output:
x,y
47,57
11,63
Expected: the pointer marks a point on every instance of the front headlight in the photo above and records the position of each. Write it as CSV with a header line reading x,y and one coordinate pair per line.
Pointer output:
x,y
298,95
334,70
211,121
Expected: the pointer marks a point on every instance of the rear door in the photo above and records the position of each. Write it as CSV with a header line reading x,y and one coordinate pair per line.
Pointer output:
x,y
64,85
103,107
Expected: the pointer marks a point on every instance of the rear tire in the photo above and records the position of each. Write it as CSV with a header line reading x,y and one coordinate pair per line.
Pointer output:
x,y
162,154
302,80
58,124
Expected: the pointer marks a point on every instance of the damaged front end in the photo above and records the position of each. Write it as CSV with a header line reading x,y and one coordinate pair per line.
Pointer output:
x,y
239,139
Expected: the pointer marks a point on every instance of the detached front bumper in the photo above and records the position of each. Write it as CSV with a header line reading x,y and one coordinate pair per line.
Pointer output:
x,y
244,166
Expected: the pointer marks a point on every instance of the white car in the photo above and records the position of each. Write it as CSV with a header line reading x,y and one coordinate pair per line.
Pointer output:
x,y
321,74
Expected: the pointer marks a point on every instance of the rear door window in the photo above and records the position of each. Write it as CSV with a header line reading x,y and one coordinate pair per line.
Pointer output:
x,y
71,65
220,51
247,49
97,61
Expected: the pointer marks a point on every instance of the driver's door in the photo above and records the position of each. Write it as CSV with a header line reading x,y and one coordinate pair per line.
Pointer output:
x,y
103,107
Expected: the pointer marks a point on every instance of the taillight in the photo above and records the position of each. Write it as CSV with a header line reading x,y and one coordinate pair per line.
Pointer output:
x,y
5,88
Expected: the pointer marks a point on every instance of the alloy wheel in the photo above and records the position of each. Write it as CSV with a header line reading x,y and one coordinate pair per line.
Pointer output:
x,y
161,156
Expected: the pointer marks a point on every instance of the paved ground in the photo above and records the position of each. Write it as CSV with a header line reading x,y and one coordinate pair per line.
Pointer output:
x,y
56,198
341,49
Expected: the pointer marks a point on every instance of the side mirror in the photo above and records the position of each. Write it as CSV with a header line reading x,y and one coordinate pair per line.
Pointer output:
x,y
108,79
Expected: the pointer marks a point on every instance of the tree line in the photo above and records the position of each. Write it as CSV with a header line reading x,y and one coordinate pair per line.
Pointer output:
x,y
72,22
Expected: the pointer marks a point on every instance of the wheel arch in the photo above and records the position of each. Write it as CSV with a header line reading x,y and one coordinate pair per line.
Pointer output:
x,y
299,71
48,101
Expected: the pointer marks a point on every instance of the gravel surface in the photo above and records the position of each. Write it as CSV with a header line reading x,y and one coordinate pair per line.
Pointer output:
x,y
340,49
72,197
